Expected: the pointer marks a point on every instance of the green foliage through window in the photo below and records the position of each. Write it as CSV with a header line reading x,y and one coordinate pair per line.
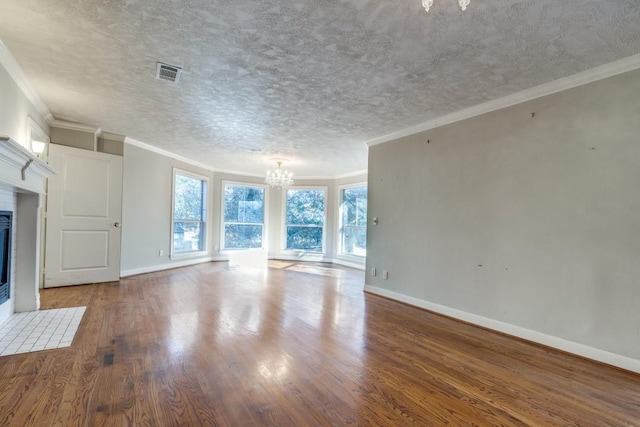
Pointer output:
x,y
189,213
354,221
243,216
305,219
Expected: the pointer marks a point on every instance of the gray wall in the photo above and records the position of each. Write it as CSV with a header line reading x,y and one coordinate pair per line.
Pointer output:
x,y
73,138
532,221
110,143
107,142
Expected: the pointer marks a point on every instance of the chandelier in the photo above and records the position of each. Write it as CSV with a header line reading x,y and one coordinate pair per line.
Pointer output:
x,y
428,3
279,178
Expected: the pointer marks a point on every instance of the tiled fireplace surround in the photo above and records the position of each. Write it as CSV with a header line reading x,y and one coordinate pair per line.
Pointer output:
x,y
22,185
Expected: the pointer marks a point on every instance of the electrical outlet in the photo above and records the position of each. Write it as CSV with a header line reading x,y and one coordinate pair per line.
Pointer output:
x,y
385,275
373,271
160,252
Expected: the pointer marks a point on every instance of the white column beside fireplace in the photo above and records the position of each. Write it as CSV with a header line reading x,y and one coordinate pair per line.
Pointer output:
x,y
23,176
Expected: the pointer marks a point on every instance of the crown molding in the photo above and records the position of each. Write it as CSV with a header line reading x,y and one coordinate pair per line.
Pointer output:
x,y
112,136
20,168
351,174
148,147
313,177
232,172
62,124
589,76
162,152
8,61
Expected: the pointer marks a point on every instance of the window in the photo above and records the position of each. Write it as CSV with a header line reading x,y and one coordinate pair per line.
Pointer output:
x,y
353,221
243,216
189,212
305,219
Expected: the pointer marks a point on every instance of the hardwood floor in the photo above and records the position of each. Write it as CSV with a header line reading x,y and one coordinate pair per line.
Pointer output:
x,y
293,345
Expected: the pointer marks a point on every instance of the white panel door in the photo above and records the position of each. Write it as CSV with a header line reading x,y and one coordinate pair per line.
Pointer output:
x,y
83,217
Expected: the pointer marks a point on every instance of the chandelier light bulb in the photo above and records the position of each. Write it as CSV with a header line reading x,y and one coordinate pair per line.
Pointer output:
x,y
279,178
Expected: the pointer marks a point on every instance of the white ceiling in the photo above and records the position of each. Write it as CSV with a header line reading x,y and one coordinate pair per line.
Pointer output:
x,y
306,80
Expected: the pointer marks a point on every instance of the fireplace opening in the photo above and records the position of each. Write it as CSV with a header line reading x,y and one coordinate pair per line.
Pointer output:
x,y
5,255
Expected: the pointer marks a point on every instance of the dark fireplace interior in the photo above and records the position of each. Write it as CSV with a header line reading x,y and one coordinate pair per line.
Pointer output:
x,y
5,255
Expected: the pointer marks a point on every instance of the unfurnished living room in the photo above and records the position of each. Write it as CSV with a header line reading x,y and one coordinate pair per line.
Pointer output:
x,y
319,213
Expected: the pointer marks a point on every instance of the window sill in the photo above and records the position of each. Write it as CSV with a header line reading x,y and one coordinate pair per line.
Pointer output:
x,y
300,252
352,258
293,255
186,255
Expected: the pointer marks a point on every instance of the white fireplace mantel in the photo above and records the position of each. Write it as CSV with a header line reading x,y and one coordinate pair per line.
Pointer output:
x,y
20,169
25,175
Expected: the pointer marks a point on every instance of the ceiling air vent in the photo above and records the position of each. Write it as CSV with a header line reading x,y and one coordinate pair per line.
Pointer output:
x,y
168,72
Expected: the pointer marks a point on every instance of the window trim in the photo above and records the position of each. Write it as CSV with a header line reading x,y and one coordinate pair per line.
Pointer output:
x,y
340,250
283,237
191,254
265,230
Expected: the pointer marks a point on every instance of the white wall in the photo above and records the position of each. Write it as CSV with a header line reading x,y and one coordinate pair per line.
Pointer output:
x,y
526,224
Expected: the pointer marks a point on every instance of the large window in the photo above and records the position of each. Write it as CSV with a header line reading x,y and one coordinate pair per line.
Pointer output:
x,y
189,212
243,216
353,221
305,219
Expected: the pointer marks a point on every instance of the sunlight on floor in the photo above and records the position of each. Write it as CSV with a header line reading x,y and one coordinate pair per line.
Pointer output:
x,y
250,258
314,269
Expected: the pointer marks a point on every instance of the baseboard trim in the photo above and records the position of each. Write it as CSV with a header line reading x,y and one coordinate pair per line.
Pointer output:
x,y
185,263
168,266
582,350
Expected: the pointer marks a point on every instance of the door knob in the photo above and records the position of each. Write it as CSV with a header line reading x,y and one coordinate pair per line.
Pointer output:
x,y
117,225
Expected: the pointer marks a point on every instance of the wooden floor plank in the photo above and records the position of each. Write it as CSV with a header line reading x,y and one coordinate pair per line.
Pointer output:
x,y
293,344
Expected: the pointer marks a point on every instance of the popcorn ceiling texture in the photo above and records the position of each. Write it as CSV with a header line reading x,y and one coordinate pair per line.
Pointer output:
x,y
306,80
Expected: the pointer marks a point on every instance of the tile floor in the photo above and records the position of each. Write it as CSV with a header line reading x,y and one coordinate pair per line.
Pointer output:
x,y
39,330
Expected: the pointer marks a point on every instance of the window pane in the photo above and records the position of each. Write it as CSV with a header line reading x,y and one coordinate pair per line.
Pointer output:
x,y
354,221
242,236
304,238
354,207
188,198
243,216
189,213
188,236
243,204
354,241
305,207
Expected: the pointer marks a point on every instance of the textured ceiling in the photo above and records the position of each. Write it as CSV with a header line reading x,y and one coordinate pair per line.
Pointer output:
x,y
306,80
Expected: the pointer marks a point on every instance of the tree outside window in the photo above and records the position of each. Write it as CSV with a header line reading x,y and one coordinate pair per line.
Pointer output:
x,y
189,213
353,221
305,213
243,216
